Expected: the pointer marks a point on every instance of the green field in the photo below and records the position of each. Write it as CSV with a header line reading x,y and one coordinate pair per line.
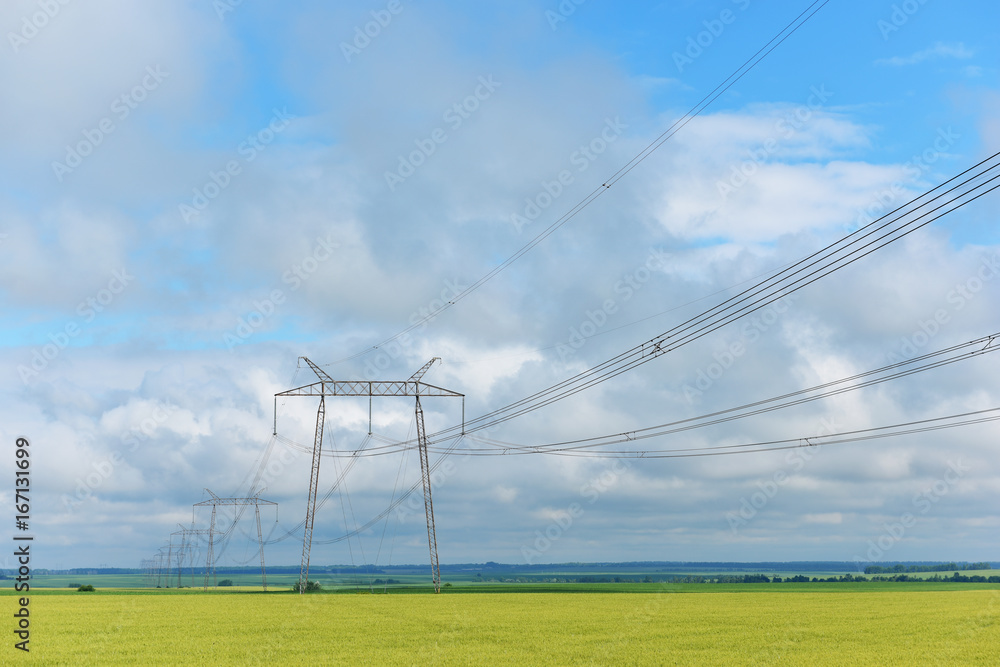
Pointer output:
x,y
421,579
835,624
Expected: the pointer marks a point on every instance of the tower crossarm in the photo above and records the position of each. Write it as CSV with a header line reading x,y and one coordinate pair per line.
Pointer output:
x,y
216,500
364,388
235,501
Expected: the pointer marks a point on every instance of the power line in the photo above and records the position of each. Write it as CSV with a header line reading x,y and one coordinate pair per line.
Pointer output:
x,y
901,369
605,332
906,428
887,229
677,125
392,506
930,361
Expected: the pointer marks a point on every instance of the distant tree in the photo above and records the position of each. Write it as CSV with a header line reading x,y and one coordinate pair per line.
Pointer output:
x,y
86,589
311,586
226,582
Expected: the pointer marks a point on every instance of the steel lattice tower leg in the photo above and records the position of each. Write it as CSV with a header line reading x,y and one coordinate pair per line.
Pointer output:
x,y
425,475
170,560
209,562
260,541
180,560
313,487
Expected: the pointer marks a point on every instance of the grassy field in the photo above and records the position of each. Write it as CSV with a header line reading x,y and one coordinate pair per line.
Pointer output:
x,y
771,624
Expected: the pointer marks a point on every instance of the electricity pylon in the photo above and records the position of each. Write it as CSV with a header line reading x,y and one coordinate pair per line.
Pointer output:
x,y
215,501
327,386
185,547
147,565
158,560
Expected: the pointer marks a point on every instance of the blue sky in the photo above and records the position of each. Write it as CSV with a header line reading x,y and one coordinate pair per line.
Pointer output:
x,y
194,197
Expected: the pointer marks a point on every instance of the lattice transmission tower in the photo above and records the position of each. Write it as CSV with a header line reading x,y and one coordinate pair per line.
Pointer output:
x,y
215,501
161,563
183,549
327,386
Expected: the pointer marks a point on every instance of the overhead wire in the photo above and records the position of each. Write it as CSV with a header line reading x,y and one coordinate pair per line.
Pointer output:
x,y
899,369
648,150
905,368
746,302
395,488
356,454
919,426
604,332
808,270
399,500
820,264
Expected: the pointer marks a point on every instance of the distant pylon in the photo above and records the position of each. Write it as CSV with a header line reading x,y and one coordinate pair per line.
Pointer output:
x,y
215,502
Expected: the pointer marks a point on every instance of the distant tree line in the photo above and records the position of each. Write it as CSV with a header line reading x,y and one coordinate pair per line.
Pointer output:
x,y
979,578
943,567
764,579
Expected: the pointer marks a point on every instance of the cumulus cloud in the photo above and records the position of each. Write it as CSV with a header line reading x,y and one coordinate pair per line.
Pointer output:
x,y
166,384
940,50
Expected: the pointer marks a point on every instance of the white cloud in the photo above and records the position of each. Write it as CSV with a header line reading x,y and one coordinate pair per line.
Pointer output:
x,y
810,167
938,51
